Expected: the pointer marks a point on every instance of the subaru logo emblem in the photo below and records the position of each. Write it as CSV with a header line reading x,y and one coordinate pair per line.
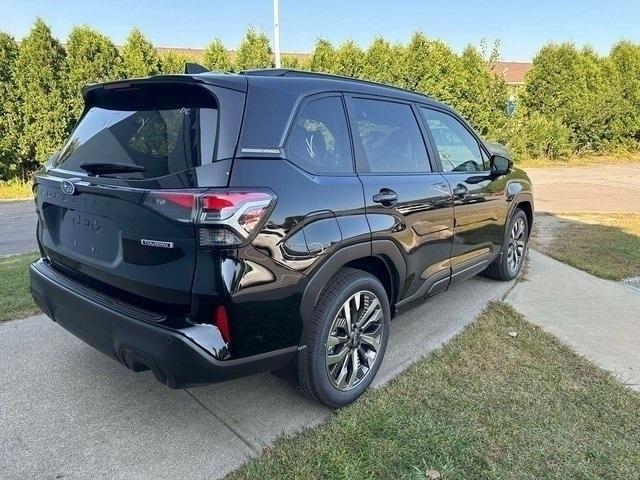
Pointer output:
x,y
68,187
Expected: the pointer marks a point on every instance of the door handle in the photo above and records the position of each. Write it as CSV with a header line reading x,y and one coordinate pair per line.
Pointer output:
x,y
386,197
461,191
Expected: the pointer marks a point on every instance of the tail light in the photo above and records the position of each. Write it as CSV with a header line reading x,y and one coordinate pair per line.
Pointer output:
x,y
224,217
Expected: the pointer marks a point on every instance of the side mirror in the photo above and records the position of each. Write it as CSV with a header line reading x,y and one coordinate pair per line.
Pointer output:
x,y
501,165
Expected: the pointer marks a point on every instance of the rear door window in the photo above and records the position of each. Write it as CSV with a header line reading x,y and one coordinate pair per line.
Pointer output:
x,y
162,140
319,141
390,137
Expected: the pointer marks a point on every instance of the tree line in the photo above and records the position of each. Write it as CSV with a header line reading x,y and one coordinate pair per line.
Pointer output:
x,y
573,100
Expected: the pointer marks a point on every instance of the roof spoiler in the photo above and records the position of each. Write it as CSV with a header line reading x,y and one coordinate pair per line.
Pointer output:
x,y
193,68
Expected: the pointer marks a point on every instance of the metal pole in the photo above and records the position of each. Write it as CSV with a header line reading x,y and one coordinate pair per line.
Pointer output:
x,y
276,32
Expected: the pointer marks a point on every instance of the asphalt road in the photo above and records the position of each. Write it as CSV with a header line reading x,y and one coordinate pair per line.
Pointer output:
x,y
595,188
17,227
70,412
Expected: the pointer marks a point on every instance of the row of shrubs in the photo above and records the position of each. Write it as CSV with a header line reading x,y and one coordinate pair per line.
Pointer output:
x,y
573,101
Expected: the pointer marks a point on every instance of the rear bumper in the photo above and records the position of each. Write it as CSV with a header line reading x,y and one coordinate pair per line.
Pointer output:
x,y
130,336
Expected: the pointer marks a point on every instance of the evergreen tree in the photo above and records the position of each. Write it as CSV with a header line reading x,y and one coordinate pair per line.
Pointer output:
x,y
602,124
289,61
483,94
573,99
533,135
625,65
254,51
323,58
139,56
349,60
577,88
173,62
556,82
216,57
40,115
382,62
435,70
432,68
625,57
91,58
8,56
413,66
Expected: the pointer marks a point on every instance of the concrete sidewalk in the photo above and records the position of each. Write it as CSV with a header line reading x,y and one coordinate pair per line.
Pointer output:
x,y
598,318
68,411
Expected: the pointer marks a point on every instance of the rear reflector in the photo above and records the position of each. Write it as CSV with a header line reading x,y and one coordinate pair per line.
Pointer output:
x,y
221,320
216,237
231,217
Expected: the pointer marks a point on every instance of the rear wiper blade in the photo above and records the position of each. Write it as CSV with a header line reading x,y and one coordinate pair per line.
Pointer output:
x,y
99,168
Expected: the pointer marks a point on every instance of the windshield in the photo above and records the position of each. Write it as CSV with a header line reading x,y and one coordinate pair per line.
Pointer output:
x,y
161,141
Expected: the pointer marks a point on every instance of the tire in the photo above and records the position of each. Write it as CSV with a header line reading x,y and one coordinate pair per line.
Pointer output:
x,y
325,362
503,267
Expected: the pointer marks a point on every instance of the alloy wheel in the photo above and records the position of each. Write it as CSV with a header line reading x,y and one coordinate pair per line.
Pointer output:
x,y
517,244
354,340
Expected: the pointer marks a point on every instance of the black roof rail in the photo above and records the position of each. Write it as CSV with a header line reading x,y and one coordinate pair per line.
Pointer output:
x,y
286,72
267,72
193,68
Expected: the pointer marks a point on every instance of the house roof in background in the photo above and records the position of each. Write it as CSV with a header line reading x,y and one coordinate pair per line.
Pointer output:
x,y
512,72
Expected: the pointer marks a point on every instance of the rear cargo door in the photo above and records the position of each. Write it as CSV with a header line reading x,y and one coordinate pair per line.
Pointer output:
x,y
94,224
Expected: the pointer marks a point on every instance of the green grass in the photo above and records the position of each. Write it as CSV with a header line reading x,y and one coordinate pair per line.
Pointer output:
x,y
15,190
606,245
488,405
15,299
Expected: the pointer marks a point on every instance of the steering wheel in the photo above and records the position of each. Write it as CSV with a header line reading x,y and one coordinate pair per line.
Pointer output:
x,y
316,149
468,166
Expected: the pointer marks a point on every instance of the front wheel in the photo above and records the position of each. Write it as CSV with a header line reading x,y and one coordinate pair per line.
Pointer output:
x,y
347,338
509,263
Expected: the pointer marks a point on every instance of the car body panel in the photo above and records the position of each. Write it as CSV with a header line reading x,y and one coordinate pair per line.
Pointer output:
x,y
426,241
420,223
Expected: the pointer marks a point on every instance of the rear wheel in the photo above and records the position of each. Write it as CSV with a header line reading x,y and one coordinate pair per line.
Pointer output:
x,y
509,263
347,338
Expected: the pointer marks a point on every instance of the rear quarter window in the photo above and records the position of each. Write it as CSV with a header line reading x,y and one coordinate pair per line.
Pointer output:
x,y
319,140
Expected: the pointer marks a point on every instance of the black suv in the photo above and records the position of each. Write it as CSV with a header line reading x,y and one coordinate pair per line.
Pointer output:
x,y
208,226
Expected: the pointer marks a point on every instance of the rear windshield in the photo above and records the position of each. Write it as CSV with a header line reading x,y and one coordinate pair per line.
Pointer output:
x,y
166,139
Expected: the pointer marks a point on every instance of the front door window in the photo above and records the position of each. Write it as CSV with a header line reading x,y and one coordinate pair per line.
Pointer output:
x,y
458,149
